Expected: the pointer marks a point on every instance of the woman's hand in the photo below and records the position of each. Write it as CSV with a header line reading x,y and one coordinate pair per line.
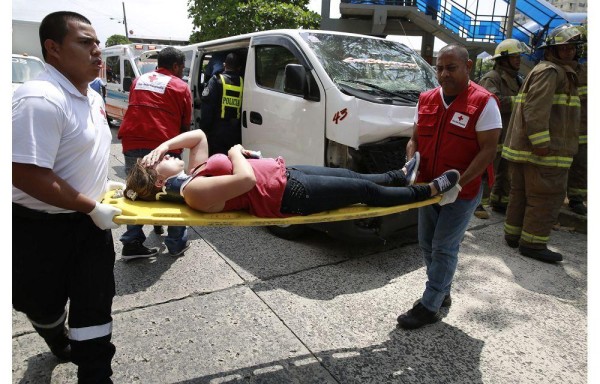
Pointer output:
x,y
236,149
155,156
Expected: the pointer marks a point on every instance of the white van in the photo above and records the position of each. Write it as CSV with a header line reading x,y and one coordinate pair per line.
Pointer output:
x,y
121,66
25,68
325,98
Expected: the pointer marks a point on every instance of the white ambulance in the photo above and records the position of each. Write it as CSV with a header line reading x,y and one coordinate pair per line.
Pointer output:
x,y
121,65
324,98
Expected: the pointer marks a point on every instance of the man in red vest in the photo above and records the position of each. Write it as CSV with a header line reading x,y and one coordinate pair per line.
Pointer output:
x,y
457,126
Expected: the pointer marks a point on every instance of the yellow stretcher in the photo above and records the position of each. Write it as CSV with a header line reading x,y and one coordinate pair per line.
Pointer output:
x,y
164,213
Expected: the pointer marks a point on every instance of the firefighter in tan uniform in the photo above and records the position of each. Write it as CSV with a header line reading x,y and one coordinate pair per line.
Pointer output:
x,y
577,183
504,81
540,143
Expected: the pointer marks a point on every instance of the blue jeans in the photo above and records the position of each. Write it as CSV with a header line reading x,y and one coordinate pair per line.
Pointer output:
x,y
176,236
313,189
441,230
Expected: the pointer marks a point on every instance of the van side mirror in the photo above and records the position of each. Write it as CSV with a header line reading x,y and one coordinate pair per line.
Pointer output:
x,y
297,81
127,83
294,81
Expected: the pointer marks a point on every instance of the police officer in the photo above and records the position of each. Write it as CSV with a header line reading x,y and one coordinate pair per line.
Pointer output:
x,y
504,81
540,143
222,105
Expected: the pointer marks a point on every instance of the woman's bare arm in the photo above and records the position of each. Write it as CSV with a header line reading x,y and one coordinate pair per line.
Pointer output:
x,y
209,194
194,140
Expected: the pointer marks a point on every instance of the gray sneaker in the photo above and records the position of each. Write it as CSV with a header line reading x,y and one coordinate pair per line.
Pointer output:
x,y
446,181
411,168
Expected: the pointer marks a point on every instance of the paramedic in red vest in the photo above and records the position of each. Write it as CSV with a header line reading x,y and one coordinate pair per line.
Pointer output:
x,y
457,125
221,107
160,108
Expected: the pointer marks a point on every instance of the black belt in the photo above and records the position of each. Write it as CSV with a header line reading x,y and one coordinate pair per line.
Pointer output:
x,y
28,213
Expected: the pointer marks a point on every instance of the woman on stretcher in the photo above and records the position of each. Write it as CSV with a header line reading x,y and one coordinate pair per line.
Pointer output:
x,y
266,187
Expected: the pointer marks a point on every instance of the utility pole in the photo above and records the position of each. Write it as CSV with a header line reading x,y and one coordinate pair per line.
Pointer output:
x,y
510,19
125,21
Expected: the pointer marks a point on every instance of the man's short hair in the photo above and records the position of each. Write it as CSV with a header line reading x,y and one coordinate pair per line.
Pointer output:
x,y
169,56
460,50
233,60
54,26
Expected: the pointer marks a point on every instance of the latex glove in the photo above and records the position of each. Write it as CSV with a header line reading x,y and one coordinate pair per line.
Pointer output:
x,y
451,195
103,214
111,185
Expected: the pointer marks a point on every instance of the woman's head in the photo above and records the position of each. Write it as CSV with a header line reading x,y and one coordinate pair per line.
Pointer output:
x,y
141,183
145,182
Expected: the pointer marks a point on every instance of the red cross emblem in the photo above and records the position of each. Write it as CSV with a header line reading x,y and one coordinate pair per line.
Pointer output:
x,y
152,77
460,118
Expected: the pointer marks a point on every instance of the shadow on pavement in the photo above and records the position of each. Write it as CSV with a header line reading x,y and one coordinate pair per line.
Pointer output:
x,y
137,275
270,260
39,368
445,354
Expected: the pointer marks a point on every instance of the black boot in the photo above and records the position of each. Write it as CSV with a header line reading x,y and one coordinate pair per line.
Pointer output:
x,y
543,254
578,207
57,339
417,317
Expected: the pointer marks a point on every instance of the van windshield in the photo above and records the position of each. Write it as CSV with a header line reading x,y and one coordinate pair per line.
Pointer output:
x,y
372,68
146,66
24,69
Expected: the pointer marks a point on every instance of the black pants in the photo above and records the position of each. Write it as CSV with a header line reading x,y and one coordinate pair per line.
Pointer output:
x,y
223,135
312,189
65,257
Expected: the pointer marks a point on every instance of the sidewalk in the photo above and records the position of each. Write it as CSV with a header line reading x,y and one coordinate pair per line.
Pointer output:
x,y
243,306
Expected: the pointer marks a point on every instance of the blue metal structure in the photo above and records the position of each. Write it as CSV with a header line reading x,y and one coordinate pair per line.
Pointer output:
x,y
484,20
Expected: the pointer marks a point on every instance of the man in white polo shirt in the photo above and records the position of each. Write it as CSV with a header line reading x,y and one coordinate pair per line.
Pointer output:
x,y
62,246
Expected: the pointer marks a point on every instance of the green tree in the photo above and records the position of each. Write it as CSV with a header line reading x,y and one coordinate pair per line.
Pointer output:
x,y
116,40
222,18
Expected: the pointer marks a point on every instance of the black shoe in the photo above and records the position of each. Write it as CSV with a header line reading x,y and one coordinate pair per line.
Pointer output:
x,y
411,168
578,207
499,209
158,229
136,249
57,340
513,243
540,254
446,181
447,303
63,353
417,317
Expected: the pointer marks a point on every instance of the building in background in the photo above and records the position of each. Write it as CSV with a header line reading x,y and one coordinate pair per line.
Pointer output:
x,y
570,5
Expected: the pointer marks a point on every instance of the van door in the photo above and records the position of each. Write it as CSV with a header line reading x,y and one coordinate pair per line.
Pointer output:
x,y
117,69
273,121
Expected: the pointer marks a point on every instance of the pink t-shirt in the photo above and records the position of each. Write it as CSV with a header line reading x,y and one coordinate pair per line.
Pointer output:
x,y
264,200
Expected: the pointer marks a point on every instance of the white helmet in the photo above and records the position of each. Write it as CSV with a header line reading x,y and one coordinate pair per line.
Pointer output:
x,y
510,47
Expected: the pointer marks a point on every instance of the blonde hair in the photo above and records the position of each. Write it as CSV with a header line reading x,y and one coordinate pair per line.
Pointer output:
x,y
141,183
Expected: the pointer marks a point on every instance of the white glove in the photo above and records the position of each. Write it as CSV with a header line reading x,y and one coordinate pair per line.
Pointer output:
x,y
111,185
451,195
103,214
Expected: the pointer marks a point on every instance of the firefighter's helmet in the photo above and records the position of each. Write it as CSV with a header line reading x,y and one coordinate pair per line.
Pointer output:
x,y
510,47
564,34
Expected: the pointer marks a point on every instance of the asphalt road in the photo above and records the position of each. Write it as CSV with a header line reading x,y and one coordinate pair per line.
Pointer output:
x,y
242,306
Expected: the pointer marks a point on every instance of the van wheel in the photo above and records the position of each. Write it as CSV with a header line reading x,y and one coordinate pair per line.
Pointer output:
x,y
288,232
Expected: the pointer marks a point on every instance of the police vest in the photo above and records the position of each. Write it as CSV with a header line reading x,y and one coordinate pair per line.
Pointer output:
x,y
232,96
446,137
